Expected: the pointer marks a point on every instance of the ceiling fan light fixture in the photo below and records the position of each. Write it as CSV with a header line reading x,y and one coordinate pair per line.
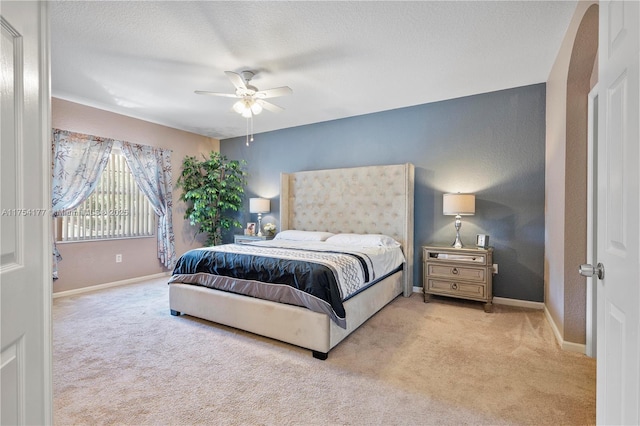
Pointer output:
x,y
247,113
239,107
256,108
247,107
250,100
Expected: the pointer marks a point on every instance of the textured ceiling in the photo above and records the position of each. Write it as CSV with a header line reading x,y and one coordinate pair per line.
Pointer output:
x,y
342,59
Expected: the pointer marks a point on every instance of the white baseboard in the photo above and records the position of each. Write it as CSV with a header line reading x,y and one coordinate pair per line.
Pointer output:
x,y
417,289
519,303
554,327
566,346
574,347
108,285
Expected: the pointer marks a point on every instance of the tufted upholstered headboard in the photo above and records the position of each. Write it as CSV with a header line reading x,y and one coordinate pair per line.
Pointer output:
x,y
372,199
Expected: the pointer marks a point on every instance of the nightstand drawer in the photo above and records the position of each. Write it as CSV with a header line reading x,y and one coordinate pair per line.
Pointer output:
x,y
466,257
454,288
456,272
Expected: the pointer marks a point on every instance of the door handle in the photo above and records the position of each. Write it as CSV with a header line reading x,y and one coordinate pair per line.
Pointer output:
x,y
588,270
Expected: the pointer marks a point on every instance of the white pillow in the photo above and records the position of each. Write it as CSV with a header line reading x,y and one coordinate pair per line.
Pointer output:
x,y
295,235
364,240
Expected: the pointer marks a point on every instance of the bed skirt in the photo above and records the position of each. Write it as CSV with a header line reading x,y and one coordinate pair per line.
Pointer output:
x,y
291,324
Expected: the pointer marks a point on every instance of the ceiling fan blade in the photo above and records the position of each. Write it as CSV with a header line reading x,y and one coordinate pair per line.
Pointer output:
x,y
274,93
269,106
236,80
226,95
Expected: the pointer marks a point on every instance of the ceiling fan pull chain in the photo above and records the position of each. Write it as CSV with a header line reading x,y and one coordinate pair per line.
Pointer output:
x,y
251,127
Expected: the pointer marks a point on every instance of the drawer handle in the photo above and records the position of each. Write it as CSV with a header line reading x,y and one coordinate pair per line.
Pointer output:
x,y
454,286
454,271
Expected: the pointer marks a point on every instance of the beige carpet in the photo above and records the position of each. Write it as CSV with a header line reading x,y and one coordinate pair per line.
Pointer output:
x,y
121,358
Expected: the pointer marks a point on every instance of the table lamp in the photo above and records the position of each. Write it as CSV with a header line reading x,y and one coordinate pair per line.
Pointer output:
x,y
259,205
458,205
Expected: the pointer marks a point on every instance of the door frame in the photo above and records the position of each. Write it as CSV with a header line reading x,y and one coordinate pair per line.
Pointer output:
x,y
592,205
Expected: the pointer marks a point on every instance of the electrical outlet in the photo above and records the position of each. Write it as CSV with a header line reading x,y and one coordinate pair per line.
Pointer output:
x,y
495,268
118,258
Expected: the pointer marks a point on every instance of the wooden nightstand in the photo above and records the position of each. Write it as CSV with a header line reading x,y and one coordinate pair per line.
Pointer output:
x,y
241,239
465,273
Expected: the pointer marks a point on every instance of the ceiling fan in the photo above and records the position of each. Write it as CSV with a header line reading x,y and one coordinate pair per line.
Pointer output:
x,y
251,100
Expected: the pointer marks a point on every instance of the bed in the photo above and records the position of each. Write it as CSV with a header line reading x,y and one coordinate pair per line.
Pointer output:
x,y
361,200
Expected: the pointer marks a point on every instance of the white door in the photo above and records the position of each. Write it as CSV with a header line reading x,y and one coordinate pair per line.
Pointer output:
x,y
618,217
25,251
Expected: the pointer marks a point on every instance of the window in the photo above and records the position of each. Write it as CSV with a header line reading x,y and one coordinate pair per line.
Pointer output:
x,y
116,208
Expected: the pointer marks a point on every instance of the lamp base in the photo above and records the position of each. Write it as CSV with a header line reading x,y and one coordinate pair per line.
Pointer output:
x,y
458,242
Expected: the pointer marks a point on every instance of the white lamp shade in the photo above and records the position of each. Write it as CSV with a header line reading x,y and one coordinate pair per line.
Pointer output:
x,y
256,108
259,205
458,204
239,107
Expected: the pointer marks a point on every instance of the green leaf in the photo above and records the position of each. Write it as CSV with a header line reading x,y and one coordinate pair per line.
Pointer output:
x,y
212,188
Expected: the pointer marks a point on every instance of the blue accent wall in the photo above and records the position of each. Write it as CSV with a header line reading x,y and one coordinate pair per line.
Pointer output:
x,y
492,144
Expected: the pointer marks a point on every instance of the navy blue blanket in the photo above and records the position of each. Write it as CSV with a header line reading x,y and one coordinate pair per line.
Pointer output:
x,y
315,279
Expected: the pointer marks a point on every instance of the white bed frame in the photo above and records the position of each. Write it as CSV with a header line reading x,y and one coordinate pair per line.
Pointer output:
x,y
373,199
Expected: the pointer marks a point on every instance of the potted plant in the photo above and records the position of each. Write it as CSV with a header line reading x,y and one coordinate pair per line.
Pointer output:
x,y
212,189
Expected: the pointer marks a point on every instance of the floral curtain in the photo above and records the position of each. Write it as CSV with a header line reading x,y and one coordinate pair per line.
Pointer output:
x,y
78,162
151,169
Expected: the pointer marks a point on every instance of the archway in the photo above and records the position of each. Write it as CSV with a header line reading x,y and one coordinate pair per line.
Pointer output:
x,y
579,84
